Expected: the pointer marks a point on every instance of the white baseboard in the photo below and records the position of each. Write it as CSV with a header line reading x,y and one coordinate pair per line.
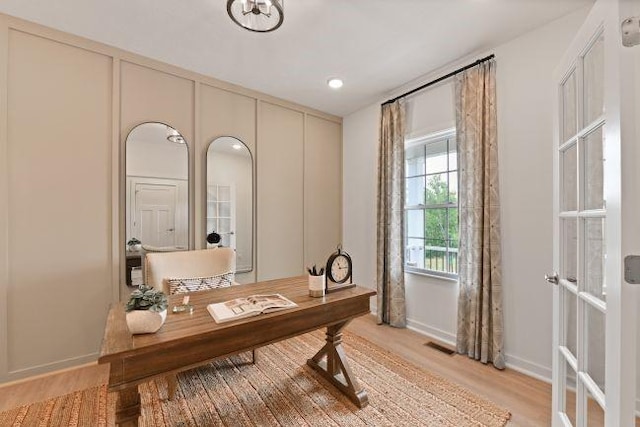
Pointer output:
x,y
47,368
528,368
524,366
438,334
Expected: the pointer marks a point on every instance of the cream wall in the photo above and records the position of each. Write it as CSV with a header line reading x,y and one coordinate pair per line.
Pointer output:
x,y
66,107
525,91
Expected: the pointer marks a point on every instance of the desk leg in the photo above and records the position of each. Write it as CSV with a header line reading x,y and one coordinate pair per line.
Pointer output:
x,y
128,407
336,367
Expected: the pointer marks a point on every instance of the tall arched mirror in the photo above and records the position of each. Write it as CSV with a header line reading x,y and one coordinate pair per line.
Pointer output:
x,y
157,189
230,199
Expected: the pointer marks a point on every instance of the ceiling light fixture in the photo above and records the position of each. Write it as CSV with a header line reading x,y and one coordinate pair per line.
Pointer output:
x,y
174,136
236,146
335,83
260,16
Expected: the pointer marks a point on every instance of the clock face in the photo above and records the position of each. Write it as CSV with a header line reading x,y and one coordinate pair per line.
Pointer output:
x,y
340,269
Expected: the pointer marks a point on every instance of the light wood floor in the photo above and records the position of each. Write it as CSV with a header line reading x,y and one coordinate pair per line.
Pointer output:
x,y
528,399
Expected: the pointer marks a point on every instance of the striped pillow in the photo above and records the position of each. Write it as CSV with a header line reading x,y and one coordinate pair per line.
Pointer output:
x,y
195,284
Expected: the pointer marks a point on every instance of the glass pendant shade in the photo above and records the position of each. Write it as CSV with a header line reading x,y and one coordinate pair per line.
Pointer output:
x,y
260,16
174,136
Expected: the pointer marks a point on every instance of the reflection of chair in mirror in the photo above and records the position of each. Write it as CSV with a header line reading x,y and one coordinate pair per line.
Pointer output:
x,y
173,272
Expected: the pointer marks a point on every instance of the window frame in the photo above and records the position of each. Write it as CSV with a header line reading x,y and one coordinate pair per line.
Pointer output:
x,y
434,137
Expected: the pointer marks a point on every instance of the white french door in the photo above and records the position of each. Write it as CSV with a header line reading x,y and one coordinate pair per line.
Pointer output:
x,y
594,323
221,214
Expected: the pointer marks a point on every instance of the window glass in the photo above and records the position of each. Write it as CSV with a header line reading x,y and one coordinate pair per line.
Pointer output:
x,y
431,203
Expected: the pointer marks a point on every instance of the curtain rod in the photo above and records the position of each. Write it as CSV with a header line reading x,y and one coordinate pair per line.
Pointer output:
x,y
439,79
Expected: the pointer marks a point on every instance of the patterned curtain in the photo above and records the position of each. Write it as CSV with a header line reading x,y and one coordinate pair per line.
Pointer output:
x,y
480,331
390,250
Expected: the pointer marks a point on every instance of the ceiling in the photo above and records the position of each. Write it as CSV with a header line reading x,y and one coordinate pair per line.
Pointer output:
x,y
375,46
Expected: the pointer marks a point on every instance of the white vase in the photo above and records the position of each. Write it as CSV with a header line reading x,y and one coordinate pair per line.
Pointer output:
x,y
145,321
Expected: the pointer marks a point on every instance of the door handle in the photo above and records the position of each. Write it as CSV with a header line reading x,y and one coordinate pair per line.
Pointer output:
x,y
553,278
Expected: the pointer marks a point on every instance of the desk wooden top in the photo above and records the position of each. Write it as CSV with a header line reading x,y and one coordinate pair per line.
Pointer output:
x,y
183,329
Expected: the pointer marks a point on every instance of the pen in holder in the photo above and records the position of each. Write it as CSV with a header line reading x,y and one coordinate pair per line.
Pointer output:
x,y
316,282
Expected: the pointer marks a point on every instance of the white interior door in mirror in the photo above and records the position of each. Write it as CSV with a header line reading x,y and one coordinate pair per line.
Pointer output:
x,y
154,213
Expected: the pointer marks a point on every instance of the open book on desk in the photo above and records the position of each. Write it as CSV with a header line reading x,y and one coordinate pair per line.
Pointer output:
x,y
253,305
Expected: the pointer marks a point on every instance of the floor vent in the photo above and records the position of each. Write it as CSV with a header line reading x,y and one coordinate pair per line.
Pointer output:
x,y
440,348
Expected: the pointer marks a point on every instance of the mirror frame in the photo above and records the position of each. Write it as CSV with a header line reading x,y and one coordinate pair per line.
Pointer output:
x,y
253,199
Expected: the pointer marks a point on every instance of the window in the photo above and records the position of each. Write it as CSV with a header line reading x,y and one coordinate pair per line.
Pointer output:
x,y
431,205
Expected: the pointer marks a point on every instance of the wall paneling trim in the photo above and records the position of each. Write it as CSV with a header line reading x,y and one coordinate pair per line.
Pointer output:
x,y
66,106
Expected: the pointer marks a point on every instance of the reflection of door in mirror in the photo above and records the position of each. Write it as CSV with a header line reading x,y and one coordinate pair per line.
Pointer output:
x,y
154,213
157,187
230,198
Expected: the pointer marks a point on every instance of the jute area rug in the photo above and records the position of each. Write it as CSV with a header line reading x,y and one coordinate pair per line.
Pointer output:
x,y
280,390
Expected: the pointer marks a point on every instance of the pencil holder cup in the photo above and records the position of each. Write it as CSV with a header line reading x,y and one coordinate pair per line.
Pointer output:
x,y
316,285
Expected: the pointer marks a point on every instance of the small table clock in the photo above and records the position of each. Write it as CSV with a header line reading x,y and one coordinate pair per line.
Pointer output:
x,y
339,271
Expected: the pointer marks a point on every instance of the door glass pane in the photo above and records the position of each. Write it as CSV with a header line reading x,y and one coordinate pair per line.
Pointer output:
x,y
570,249
224,193
212,194
570,320
595,255
570,393
224,209
569,107
224,225
595,414
595,351
569,160
594,162
414,256
415,191
594,81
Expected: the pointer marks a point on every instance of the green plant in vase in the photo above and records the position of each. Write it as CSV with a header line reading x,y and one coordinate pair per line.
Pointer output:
x,y
147,298
146,310
134,244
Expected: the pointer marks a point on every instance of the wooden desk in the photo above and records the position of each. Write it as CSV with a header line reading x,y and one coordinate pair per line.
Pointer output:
x,y
189,340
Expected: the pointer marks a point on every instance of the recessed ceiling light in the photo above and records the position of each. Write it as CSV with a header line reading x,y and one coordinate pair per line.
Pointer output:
x,y
335,83
236,146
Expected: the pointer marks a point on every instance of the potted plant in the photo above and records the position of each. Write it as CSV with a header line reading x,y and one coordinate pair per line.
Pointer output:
x,y
134,244
146,310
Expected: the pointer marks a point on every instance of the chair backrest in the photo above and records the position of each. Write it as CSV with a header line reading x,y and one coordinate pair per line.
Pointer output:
x,y
186,264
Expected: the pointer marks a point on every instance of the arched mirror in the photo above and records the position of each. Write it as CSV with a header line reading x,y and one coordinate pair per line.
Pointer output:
x,y
157,189
230,199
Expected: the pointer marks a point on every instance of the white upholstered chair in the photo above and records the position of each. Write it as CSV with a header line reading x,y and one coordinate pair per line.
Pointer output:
x,y
160,266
